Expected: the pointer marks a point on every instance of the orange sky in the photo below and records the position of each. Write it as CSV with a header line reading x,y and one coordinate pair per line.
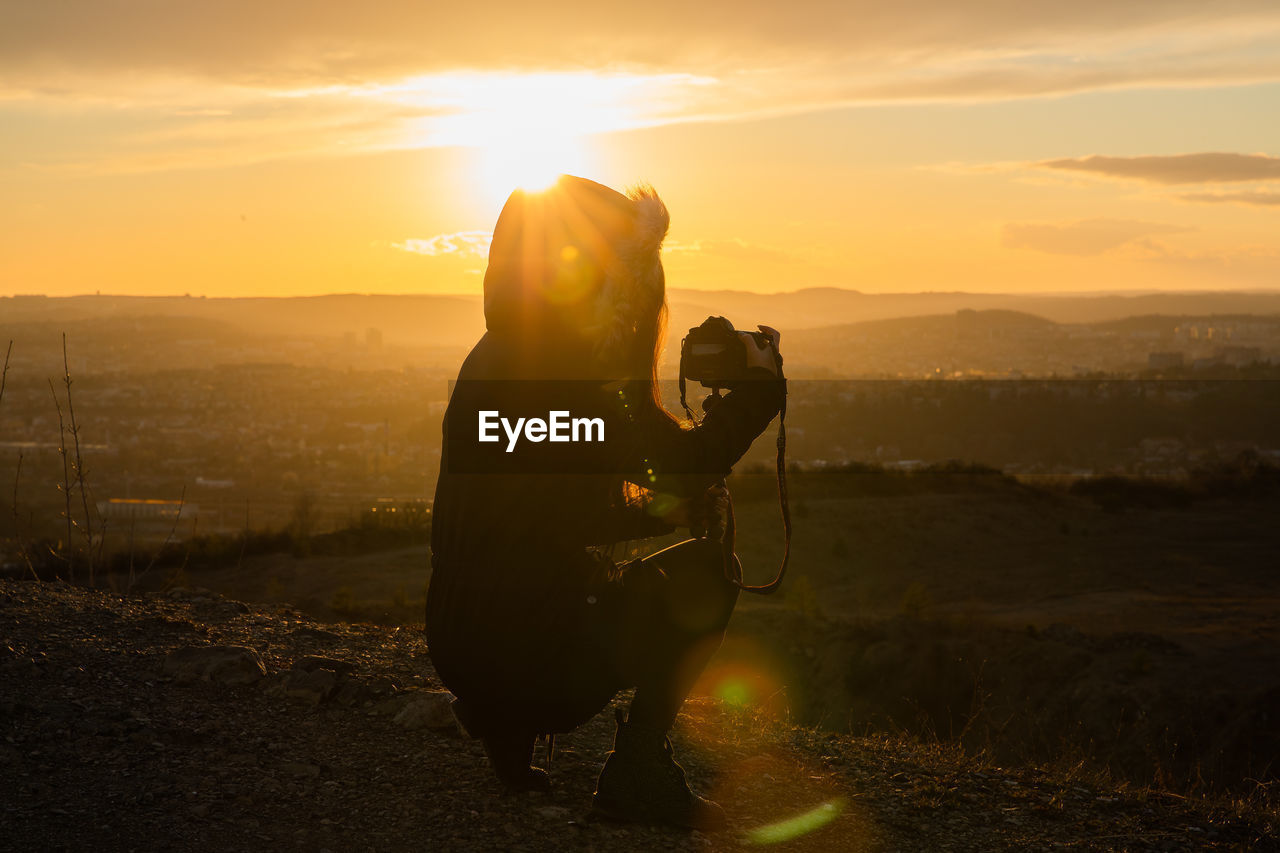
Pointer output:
x,y
315,146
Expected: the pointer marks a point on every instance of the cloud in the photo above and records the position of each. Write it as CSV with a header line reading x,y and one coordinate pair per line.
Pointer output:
x,y
1178,168
173,125
459,243
385,74
1083,238
331,40
840,49
1258,198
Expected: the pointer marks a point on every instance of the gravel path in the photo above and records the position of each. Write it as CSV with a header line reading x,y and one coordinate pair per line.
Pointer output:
x,y
186,721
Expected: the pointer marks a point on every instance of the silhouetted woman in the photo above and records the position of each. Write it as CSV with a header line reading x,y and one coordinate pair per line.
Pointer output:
x,y
530,623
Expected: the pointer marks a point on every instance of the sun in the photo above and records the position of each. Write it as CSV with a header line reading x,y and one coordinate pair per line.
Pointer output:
x,y
525,129
528,162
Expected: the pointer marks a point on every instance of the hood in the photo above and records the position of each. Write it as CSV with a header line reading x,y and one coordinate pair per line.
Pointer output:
x,y
575,267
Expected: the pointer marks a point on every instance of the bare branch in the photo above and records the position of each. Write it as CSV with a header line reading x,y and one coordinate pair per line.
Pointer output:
x,y
79,463
4,374
66,485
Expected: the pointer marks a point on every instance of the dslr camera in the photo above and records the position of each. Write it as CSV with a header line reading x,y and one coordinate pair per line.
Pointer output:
x,y
720,356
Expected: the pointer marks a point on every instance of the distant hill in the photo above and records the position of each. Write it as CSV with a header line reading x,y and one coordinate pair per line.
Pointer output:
x,y
421,320
821,307
458,320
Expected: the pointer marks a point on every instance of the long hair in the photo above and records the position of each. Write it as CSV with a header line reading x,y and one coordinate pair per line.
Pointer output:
x,y
643,387
651,320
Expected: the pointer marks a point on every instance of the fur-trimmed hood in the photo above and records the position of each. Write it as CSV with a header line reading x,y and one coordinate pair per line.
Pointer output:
x,y
577,260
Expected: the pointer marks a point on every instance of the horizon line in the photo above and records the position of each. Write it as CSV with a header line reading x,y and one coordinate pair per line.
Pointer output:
x,y
1256,291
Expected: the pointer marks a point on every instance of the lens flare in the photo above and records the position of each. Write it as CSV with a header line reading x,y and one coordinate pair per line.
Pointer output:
x,y
792,828
747,676
735,692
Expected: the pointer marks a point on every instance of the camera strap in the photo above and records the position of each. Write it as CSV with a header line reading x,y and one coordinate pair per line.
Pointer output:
x,y
732,565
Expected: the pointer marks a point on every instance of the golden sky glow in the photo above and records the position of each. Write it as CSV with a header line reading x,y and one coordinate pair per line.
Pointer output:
x,y
313,147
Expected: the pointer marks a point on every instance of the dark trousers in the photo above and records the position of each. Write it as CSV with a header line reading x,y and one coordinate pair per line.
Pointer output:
x,y
550,655
665,618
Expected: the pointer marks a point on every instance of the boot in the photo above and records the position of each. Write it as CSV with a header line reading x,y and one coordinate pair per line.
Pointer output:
x,y
511,757
641,782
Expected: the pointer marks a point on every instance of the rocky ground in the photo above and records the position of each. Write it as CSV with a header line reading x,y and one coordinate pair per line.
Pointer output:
x,y
186,721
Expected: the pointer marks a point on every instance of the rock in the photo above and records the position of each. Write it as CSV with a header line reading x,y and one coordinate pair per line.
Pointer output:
x,y
310,663
225,608
389,707
181,626
314,686
316,634
350,693
431,710
383,686
233,665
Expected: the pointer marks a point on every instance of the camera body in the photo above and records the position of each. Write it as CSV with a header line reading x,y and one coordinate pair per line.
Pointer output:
x,y
719,356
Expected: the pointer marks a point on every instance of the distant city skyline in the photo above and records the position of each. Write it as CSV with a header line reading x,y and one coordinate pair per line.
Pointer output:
x,y
306,148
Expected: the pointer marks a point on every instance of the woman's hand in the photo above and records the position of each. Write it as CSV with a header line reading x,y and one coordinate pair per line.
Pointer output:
x,y
704,514
767,358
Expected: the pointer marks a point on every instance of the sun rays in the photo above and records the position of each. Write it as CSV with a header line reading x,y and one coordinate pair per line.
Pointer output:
x,y
525,129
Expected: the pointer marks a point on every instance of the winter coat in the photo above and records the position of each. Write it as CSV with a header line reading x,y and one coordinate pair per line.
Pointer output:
x,y
513,618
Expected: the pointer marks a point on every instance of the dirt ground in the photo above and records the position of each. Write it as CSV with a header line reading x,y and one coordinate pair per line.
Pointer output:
x,y
308,740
